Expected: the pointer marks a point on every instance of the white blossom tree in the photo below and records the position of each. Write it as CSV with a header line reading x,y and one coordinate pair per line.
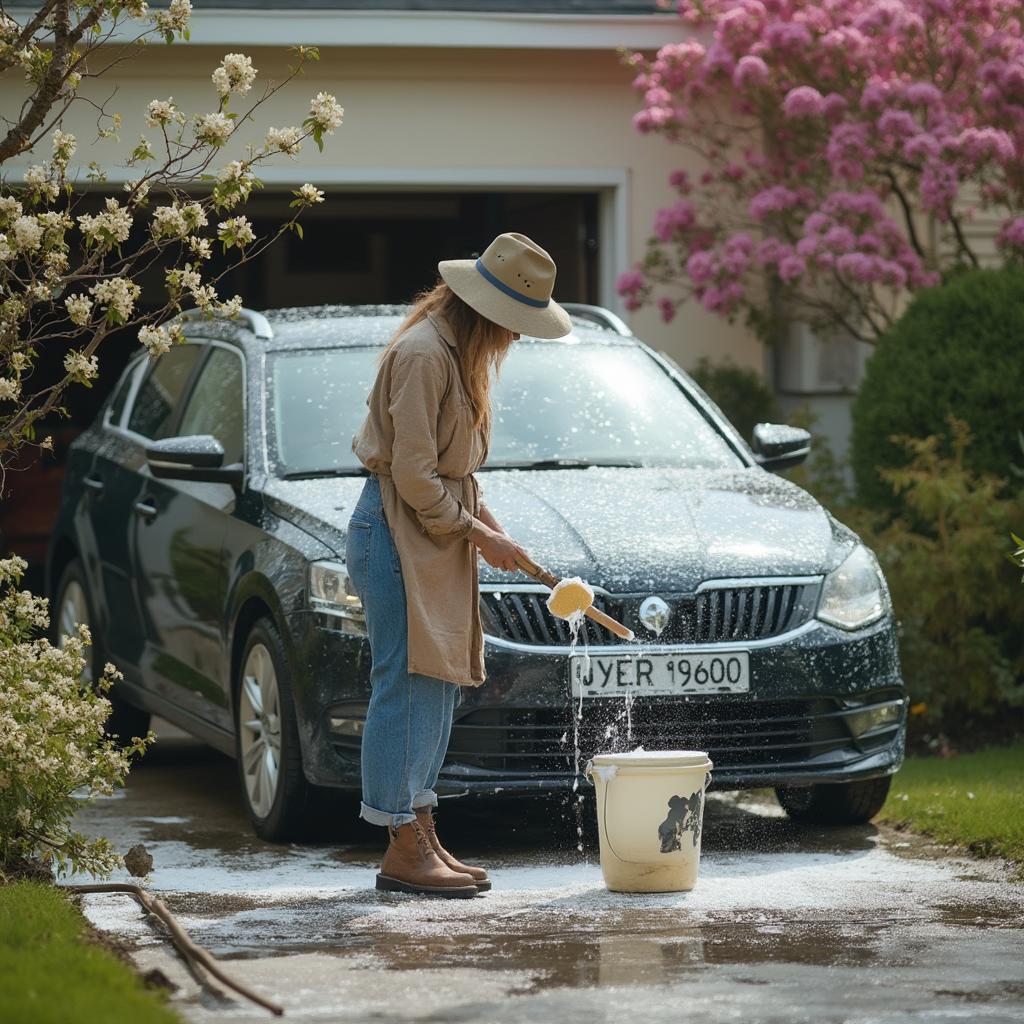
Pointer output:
x,y
70,278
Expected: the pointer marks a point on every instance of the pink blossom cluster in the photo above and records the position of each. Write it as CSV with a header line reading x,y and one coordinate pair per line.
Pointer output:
x,y
828,131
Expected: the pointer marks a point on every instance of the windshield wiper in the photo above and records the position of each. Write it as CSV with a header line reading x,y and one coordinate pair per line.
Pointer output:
x,y
316,474
566,464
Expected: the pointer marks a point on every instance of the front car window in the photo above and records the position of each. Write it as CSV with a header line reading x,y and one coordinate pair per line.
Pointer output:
x,y
597,404
161,391
578,403
216,404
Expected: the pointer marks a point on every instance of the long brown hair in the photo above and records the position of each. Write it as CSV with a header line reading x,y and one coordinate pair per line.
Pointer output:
x,y
481,344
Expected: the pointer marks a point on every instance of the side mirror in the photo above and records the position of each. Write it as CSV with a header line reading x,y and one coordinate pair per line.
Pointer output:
x,y
777,446
198,457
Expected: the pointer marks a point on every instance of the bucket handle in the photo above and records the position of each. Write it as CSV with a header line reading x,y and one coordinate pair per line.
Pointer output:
x,y
589,770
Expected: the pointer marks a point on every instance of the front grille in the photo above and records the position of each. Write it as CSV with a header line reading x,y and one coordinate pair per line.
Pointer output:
x,y
737,733
523,616
715,615
751,613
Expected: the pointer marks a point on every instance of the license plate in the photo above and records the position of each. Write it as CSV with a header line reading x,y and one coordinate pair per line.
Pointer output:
x,y
659,675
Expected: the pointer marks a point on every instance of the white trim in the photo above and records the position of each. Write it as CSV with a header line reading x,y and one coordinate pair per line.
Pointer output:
x,y
507,30
613,223
611,650
406,177
451,29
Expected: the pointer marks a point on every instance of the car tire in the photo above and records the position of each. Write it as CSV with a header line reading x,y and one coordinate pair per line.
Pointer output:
x,y
278,799
74,605
842,803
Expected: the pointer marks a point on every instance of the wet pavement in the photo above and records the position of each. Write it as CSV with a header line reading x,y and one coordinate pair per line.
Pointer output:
x,y
786,924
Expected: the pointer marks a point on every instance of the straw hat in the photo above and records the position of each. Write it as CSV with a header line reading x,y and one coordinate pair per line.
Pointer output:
x,y
511,285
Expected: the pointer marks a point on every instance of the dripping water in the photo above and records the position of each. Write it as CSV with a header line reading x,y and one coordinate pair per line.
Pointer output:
x,y
575,622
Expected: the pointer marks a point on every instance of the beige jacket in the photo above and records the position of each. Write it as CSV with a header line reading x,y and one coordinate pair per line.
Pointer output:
x,y
419,438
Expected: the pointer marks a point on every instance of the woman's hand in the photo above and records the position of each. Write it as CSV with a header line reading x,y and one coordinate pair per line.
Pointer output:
x,y
498,549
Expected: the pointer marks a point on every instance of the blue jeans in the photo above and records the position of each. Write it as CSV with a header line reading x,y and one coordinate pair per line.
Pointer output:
x,y
409,719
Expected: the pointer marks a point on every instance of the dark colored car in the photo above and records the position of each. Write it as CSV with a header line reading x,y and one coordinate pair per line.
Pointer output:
x,y
202,537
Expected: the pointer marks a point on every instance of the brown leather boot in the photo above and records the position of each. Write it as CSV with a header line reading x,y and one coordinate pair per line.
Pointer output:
x,y
425,817
411,865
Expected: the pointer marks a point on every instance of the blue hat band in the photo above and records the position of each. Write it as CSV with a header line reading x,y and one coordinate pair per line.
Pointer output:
x,y
526,300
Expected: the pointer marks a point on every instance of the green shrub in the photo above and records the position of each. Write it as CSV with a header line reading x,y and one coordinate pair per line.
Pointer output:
x,y
955,350
822,474
741,394
957,601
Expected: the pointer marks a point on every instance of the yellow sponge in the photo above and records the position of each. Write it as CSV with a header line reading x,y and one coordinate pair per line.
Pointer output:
x,y
570,597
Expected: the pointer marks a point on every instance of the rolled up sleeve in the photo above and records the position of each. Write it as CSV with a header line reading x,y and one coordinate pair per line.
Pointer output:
x,y
417,387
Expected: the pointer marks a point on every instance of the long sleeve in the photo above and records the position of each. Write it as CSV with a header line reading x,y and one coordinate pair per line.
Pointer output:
x,y
417,385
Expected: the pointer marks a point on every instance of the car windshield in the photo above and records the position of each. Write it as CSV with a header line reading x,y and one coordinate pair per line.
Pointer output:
x,y
555,405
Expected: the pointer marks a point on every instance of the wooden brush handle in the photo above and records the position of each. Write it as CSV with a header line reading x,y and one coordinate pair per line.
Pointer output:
x,y
551,581
533,569
624,632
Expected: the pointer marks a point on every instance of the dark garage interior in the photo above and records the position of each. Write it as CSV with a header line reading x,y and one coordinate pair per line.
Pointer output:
x,y
357,247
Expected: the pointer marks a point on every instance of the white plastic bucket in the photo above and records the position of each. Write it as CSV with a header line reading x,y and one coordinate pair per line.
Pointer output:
x,y
650,811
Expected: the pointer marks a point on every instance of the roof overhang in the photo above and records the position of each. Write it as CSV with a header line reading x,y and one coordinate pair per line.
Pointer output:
x,y
258,26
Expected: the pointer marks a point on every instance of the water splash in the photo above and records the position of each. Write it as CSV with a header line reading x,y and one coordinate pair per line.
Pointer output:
x,y
575,623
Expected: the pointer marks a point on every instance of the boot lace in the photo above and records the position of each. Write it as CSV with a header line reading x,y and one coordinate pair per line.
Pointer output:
x,y
422,838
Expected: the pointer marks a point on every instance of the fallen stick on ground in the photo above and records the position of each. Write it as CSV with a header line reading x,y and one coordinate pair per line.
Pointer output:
x,y
194,955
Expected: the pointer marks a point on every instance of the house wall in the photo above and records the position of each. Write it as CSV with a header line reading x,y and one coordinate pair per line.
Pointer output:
x,y
452,117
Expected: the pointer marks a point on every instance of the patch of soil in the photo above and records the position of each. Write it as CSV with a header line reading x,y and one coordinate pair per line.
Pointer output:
x,y
32,870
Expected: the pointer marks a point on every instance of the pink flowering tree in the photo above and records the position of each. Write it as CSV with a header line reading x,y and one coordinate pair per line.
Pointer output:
x,y
844,146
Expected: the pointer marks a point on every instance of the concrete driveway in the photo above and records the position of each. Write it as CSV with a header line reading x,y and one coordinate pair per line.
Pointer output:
x,y
786,924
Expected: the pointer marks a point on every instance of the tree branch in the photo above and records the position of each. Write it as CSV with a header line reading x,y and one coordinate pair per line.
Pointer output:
x,y
65,39
907,213
30,29
961,241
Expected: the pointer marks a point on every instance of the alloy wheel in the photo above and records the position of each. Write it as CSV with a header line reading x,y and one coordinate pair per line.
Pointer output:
x,y
74,610
259,717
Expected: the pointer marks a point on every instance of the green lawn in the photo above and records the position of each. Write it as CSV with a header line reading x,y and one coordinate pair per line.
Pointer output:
x,y
48,973
973,800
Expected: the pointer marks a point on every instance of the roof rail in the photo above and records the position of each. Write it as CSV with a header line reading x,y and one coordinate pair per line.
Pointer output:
x,y
598,315
256,322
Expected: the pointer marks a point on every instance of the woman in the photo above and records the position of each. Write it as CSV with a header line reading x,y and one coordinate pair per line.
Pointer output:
x,y
415,533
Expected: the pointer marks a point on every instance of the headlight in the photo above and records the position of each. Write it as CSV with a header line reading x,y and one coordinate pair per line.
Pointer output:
x,y
854,594
331,592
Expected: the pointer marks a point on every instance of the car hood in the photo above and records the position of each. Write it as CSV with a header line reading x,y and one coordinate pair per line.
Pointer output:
x,y
627,530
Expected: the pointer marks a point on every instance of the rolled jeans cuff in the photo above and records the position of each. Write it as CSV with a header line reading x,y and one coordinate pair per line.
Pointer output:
x,y
375,817
424,798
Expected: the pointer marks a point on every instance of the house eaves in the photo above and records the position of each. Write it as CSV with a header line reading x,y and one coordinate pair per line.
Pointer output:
x,y
522,24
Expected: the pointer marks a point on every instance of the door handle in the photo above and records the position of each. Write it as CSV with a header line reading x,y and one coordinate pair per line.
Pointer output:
x,y
145,509
94,483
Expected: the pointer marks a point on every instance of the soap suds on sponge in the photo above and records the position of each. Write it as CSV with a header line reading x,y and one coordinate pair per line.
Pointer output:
x,y
571,596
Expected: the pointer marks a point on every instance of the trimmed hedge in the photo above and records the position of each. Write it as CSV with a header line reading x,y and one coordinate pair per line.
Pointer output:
x,y
957,349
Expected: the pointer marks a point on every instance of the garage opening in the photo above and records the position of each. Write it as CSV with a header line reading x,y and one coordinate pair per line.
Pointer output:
x,y
357,247
384,246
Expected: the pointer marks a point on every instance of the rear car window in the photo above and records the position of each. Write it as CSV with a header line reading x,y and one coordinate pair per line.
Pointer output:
x,y
121,396
216,404
161,391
